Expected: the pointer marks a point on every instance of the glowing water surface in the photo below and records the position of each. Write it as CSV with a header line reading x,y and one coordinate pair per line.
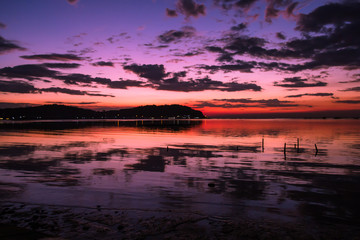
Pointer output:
x,y
218,167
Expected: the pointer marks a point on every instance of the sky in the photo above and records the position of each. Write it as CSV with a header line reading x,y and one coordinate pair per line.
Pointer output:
x,y
223,57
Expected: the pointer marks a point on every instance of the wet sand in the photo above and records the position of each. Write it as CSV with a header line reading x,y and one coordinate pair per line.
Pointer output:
x,y
33,221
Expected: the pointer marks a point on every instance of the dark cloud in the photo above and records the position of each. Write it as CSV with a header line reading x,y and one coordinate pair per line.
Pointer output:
x,y
72,1
61,65
171,13
290,9
214,49
281,36
333,13
28,71
348,101
153,72
354,89
24,87
118,37
189,54
240,66
15,105
202,84
336,42
150,45
244,44
54,56
238,4
102,64
244,3
76,78
272,9
297,82
312,94
2,25
16,87
341,44
246,103
190,8
239,27
176,35
72,92
254,46
351,81
76,103
8,46
124,84
159,79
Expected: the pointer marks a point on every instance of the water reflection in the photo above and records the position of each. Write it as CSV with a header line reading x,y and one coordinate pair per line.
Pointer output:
x,y
218,166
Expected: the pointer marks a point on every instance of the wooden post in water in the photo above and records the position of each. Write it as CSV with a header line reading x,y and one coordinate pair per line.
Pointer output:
x,y
262,145
285,151
167,148
316,149
298,145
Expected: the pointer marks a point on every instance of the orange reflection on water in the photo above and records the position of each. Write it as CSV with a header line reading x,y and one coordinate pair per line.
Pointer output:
x,y
160,163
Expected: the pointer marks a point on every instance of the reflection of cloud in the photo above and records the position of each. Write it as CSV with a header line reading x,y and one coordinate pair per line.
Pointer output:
x,y
103,171
89,155
151,164
17,150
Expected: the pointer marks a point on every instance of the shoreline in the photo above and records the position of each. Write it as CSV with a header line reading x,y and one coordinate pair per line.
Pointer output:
x,y
41,221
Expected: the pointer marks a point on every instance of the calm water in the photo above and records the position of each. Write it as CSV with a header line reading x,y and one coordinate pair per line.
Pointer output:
x,y
214,166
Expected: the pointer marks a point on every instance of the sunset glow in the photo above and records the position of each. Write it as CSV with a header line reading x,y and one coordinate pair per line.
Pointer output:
x,y
226,58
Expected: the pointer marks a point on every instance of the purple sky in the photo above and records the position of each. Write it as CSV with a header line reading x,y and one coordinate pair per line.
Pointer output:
x,y
224,57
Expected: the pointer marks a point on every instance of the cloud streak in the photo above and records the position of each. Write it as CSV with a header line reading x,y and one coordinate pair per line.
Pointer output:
x,y
297,82
245,103
312,94
53,56
7,46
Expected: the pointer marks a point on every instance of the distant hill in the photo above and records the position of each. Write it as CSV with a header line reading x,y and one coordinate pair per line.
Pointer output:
x,y
68,112
153,111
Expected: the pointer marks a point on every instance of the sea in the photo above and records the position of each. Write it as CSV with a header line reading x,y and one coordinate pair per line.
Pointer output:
x,y
286,169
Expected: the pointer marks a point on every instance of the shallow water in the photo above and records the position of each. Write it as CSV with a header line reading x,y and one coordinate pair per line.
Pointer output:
x,y
217,167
